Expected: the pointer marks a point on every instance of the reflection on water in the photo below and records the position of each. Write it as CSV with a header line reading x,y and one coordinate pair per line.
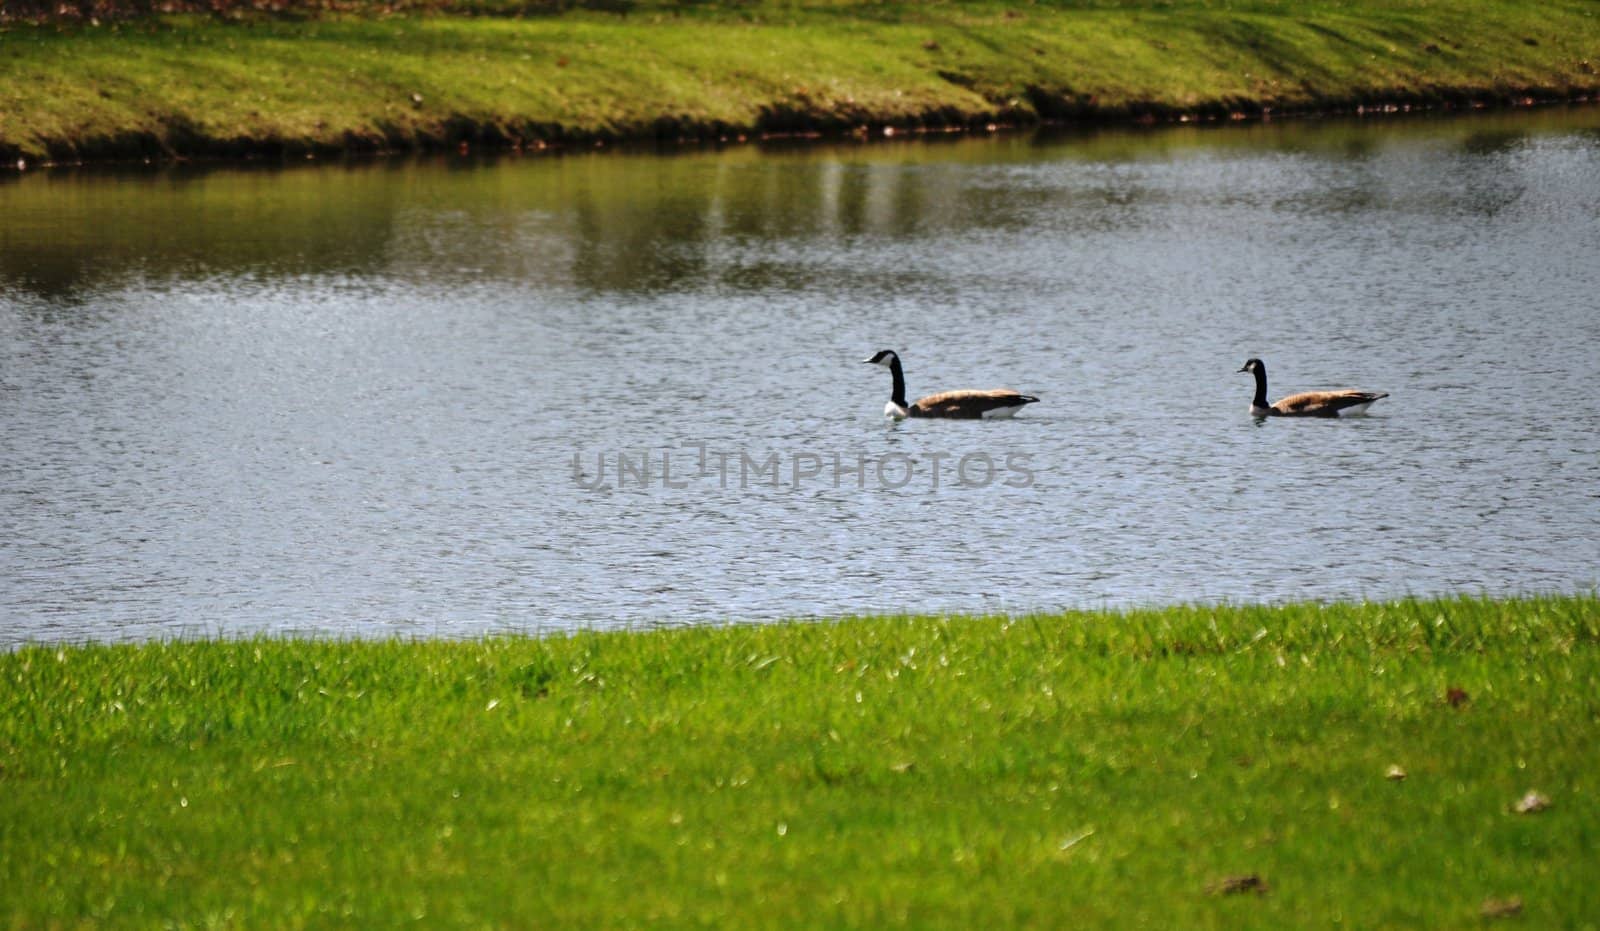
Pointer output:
x,y
615,222
348,398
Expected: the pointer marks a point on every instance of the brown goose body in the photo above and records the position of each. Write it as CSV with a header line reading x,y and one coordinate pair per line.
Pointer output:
x,y
1307,403
966,404
970,403
1322,403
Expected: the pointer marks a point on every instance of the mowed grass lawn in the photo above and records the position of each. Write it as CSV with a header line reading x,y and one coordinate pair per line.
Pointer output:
x,y
184,85
1096,769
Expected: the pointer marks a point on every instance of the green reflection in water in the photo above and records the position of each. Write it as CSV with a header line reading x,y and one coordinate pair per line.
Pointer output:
x,y
601,221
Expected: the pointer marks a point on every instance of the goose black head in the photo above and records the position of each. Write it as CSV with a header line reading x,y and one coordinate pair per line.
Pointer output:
x,y
884,357
1251,365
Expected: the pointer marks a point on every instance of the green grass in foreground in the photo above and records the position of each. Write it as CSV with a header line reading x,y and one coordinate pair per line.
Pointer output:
x,y
1099,769
187,85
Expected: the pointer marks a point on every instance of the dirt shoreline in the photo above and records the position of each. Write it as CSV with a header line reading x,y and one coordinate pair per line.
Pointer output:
x,y
466,136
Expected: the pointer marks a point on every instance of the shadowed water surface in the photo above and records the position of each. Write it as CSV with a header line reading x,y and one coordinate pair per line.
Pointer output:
x,y
349,400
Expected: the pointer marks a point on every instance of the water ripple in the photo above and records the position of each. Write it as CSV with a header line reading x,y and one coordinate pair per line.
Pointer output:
x,y
365,423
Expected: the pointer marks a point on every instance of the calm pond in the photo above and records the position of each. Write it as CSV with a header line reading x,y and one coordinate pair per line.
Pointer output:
x,y
458,396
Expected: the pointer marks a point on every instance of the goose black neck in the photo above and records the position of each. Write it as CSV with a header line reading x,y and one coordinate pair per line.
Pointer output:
x,y
899,396
1261,386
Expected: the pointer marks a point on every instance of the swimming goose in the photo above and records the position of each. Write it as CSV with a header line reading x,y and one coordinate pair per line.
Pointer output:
x,y
1307,403
962,405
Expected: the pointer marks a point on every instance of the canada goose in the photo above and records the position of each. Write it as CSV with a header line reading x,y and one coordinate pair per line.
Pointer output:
x,y
962,405
1306,403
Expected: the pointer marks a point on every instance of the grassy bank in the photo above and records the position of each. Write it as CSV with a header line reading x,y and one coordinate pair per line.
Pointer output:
x,y
1066,769
179,86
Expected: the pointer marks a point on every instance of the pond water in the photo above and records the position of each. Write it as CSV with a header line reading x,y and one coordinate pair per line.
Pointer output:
x,y
349,400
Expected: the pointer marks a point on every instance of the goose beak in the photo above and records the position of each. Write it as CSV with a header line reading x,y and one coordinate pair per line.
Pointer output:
x,y
1243,368
866,361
